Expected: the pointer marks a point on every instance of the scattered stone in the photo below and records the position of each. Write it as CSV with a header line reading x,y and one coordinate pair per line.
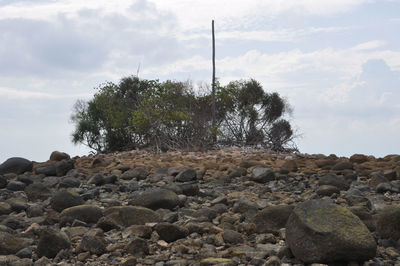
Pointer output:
x,y
93,242
156,199
137,247
170,232
37,191
388,224
320,231
11,244
333,180
16,165
16,185
186,175
327,190
271,219
96,179
64,199
84,213
262,175
51,242
131,215
232,237
5,208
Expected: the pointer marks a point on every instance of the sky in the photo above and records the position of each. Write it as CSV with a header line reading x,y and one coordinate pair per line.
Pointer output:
x,y
336,61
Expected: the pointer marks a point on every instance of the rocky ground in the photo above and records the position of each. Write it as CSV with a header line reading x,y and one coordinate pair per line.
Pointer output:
x,y
226,207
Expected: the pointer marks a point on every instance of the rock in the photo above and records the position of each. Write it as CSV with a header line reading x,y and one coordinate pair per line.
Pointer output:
x,y
271,219
217,261
18,204
365,215
262,175
47,170
63,167
232,237
131,215
11,244
34,211
14,185
94,242
327,190
138,173
5,208
186,175
51,242
383,187
3,182
59,156
342,166
37,191
142,231
156,199
388,224
377,178
84,213
290,165
137,247
16,165
273,261
333,180
170,232
358,158
96,179
64,199
319,231
390,174
69,182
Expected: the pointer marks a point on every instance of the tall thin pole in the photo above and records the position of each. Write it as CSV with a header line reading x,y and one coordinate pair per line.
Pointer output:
x,y
213,84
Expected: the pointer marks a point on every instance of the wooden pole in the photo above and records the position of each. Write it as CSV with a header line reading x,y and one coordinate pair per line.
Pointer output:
x,y
213,85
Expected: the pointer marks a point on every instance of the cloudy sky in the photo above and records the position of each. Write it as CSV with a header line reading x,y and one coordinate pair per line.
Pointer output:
x,y
337,62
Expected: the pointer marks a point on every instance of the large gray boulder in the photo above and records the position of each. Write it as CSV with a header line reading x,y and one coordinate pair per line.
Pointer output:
x,y
16,165
319,231
156,199
388,224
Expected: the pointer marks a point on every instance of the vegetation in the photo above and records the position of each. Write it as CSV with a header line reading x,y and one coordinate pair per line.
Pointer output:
x,y
139,113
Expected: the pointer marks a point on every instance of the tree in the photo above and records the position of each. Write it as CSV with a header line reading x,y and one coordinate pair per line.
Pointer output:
x,y
168,115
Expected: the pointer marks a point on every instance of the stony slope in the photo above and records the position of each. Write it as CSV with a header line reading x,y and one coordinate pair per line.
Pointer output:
x,y
226,207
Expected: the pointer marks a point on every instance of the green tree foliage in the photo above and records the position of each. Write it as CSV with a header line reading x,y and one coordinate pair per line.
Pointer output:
x,y
169,115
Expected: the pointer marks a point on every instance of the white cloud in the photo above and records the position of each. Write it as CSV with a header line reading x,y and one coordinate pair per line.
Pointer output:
x,y
369,45
24,94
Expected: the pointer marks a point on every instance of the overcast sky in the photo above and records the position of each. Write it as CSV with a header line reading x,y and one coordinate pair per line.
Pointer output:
x,y
336,61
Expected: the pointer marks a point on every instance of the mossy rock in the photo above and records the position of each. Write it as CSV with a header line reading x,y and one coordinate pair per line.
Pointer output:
x,y
10,244
319,231
131,215
388,224
84,213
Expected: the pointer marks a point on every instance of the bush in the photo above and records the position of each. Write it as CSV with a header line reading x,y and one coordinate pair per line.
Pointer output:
x,y
168,115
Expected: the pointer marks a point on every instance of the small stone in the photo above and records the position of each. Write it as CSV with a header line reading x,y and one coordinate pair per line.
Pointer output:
x,y
64,199
96,179
14,185
327,190
262,175
94,242
170,232
3,182
5,208
84,213
186,175
137,246
232,237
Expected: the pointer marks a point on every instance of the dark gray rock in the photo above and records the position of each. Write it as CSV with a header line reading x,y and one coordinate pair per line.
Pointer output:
x,y
186,175
94,242
37,191
96,179
333,180
16,165
131,215
63,167
16,185
232,237
3,182
388,224
262,175
323,232
138,173
272,218
18,204
69,182
51,242
34,211
47,170
383,187
343,166
84,213
11,244
64,199
170,232
156,199
138,247
5,208
327,190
